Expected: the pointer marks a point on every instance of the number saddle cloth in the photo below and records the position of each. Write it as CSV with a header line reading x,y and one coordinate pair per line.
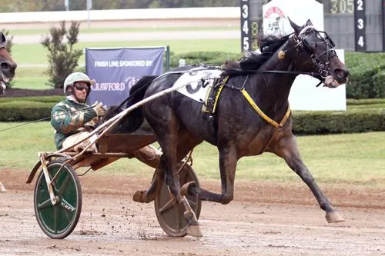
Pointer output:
x,y
202,84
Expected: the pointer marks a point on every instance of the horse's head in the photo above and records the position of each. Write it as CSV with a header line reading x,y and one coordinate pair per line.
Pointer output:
x,y
7,65
317,51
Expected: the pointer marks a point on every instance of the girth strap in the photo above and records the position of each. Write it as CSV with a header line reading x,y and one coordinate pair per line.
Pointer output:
x,y
263,115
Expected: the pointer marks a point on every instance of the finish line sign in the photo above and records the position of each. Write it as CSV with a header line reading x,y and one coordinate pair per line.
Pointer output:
x,y
115,70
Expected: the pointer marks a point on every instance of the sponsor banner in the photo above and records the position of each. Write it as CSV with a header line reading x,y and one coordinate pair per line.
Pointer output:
x,y
115,70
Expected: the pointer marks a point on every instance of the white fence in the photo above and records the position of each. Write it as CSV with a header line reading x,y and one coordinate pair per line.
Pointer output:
x,y
126,14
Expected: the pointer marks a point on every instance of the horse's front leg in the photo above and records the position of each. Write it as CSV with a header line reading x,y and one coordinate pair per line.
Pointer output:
x,y
287,149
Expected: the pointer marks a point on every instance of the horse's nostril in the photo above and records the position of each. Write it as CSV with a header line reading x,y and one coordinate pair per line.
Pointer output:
x,y
5,66
341,73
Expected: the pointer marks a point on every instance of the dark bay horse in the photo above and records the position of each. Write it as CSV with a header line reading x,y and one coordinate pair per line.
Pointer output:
x,y
252,115
7,65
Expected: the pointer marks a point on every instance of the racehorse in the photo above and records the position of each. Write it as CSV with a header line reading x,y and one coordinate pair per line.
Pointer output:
x,y
252,115
7,65
7,72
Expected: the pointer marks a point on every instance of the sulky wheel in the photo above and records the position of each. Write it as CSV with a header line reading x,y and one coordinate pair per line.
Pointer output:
x,y
59,220
169,213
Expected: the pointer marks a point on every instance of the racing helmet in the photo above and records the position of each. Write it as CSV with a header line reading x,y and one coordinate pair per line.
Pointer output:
x,y
77,77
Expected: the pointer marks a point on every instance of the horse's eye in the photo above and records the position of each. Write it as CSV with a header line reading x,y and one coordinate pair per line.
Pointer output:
x,y
308,45
330,41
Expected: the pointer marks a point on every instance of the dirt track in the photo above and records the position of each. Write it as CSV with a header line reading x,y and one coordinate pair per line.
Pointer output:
x,y
264,219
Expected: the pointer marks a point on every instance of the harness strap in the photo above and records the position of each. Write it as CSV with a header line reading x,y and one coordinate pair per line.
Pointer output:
x,y
224,81
263,115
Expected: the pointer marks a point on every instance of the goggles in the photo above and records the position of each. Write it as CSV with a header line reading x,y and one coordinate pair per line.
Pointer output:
x,y
81,87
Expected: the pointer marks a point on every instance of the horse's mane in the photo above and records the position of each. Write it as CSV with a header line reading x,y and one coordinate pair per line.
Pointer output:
x,y
268,45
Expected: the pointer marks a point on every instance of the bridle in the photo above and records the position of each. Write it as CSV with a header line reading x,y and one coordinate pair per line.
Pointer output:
x,y
301,42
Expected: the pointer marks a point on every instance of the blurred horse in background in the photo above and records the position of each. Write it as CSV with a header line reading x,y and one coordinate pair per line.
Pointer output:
x,y
7,65
7,72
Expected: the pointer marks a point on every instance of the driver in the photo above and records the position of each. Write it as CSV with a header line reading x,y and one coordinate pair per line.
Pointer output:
x,y
72,118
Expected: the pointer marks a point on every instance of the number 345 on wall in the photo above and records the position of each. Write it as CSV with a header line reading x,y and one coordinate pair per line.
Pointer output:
x,y
245,24
360,25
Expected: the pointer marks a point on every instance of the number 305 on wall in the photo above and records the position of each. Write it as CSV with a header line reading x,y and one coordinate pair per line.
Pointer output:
x,y
360,25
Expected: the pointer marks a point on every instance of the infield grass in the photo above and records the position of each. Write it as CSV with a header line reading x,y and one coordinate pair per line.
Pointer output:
x,y
344,158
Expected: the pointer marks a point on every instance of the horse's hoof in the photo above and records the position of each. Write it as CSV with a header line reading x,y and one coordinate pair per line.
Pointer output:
x,y
184,190
139,196
194,230
333,217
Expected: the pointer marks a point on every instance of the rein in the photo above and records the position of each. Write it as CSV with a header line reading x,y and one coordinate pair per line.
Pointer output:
x,y
256,71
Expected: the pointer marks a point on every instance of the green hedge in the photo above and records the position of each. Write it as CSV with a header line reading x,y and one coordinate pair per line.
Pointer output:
x,y
27,108
208,58
339,122
367,75
361,116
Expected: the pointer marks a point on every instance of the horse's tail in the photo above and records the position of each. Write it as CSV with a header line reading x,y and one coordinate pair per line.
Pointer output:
x,y
137,91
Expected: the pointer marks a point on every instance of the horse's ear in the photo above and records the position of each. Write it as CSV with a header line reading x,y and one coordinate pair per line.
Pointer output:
x,y
309,23
3,39
296,28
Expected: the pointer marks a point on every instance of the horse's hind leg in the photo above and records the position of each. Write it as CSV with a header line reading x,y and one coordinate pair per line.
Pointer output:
x,y
186,143
149,195
228,164
287,148
150,156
